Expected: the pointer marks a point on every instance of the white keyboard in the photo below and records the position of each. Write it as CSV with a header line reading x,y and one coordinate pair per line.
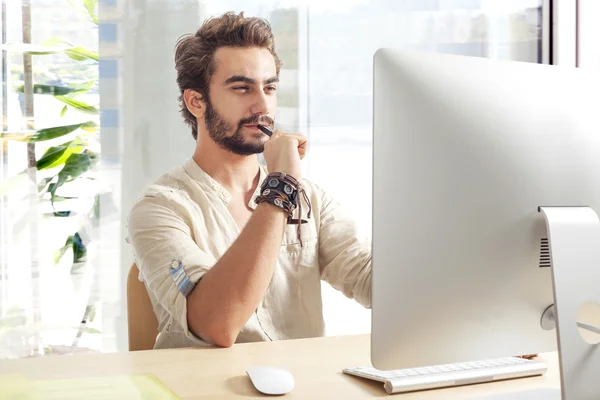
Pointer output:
x,y
438,376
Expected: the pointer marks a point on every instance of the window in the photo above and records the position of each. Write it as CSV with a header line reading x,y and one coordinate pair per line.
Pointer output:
x,y
588,32
325,92
325,89
48,197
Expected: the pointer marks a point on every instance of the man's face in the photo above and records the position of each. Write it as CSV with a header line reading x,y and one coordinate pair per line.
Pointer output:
x,y
242,94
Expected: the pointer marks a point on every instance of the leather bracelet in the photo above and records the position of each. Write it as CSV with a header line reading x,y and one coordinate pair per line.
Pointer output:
x,y
280,190
281,183
284,191
277,199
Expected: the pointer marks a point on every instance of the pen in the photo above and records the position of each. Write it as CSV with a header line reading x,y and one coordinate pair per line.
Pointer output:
x,y
265,130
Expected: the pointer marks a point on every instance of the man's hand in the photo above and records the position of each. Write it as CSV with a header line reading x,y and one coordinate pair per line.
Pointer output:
x,y
283,153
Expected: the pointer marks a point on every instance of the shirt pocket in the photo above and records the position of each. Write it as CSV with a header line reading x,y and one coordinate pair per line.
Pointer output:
x,y
303,254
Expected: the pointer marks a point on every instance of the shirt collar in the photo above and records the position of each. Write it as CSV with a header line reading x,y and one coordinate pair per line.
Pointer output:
x,y
210,184
263,175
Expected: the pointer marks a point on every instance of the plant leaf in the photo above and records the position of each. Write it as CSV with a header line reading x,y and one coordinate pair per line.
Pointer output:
x,y
52,187
90,6
61,252
75,93
58,199
76,164
78,105
51,155
42,185
47,89
32,136
58,155
90,126
63,111
87,329
80,54
93,157
83,86
53,42
95,211
55,132
79,249
90,311
89,9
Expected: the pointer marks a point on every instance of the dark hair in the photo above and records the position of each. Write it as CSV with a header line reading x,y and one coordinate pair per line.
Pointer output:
x,y
194,53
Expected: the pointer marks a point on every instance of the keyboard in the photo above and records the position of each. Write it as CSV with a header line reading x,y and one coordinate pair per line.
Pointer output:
x,y
447,375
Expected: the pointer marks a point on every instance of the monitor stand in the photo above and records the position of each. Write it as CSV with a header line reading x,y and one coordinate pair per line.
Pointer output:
x,y
574,238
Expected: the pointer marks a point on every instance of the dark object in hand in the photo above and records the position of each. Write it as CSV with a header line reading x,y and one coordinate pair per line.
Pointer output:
x,y
265,130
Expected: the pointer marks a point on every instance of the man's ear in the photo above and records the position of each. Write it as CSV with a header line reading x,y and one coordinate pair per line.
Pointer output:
x,y
194,102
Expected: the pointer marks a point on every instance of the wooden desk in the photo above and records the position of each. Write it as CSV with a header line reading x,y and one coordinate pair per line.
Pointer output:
x,y
212,373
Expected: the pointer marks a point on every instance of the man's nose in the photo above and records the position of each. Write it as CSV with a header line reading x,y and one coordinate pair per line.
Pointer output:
x,y
260,105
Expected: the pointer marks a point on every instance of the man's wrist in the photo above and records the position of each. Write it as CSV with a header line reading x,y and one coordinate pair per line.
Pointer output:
x,y
280,190
274,209
272,213
284,191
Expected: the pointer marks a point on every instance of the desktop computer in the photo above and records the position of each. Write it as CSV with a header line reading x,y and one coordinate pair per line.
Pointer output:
x,y
486,184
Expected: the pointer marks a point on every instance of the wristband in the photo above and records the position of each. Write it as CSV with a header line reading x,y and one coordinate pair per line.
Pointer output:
x,y
284,191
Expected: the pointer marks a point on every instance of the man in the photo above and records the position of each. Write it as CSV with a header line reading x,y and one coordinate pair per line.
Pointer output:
x,y
228,251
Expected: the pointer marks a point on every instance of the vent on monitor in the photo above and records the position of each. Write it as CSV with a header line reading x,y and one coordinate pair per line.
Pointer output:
x,y
544,253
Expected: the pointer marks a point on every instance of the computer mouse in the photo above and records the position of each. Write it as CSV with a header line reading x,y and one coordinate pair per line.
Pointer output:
x,y
271,380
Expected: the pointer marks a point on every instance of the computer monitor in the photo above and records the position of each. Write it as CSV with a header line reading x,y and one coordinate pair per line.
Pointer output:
x,y
465,151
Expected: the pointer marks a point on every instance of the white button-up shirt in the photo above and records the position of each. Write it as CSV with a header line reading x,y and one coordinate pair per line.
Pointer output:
x,y
183,219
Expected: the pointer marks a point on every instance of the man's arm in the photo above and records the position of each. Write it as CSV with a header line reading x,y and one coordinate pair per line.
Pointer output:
x,y
344,257
227,291
228,294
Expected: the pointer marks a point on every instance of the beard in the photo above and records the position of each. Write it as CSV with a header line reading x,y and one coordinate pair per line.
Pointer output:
x,y
218,130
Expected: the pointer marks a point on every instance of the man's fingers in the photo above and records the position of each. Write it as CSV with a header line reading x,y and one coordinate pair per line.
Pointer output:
x,y
298,136
301,140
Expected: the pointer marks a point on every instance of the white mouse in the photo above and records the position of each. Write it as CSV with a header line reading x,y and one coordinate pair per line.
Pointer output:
x,y
271,380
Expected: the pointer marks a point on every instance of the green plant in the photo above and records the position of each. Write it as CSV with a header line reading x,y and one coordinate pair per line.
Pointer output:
x,y
67,161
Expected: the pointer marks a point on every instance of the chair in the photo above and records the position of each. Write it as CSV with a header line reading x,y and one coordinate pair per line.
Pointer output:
x,y
141,320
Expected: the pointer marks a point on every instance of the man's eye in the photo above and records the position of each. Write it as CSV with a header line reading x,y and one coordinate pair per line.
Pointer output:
x,y
241,88
271,88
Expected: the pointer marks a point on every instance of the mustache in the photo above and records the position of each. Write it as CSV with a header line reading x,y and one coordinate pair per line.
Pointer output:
x,y
255,120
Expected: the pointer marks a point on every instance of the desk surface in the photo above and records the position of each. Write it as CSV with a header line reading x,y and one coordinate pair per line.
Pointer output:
x,y
214,373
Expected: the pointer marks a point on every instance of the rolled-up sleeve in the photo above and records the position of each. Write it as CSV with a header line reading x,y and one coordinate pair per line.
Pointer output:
x,y
344,257
169,260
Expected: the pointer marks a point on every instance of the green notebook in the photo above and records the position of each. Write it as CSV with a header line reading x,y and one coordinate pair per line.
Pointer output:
x,y
125,387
